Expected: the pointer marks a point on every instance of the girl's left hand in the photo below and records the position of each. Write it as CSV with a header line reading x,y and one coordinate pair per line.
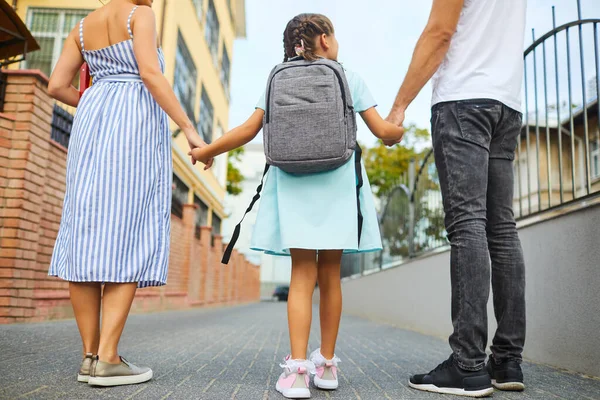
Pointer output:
x,y
200,154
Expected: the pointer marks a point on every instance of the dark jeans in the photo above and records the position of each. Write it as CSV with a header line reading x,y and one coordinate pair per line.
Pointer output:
x,y
474,145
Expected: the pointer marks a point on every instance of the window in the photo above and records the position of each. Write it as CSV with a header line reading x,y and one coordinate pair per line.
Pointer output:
x,y
184,83
216,227
212,31
50,27
595,159
201,215
180,196
225,71
205,124
199,8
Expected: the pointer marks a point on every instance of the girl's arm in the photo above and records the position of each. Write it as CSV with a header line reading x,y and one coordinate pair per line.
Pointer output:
x,y
382,129
237,137
60,87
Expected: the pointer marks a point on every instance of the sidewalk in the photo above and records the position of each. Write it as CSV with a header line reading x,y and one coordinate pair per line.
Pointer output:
x,y
233,353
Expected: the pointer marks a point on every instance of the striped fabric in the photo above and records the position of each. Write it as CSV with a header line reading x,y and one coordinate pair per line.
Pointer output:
x,y
115,224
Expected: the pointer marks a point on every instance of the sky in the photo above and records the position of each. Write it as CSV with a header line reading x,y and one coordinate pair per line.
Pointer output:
x,y
376,39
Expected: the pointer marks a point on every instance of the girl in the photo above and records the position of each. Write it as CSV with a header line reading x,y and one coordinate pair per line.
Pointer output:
x,y
315,233
115,227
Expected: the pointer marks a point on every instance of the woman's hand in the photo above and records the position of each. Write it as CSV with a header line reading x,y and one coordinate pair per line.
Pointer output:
x,y
200,154
196,142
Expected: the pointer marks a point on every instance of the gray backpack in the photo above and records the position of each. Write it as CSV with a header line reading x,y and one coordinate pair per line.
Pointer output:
x,y
309,125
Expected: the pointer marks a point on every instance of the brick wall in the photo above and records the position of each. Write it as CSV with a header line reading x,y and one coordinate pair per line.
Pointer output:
x,y
32,183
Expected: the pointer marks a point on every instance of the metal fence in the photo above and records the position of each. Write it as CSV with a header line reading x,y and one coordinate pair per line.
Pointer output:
x,y
62,122
557,159
558,153
411,223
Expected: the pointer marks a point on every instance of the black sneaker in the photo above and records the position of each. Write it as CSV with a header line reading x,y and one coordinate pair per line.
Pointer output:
x,y
448,378
506,375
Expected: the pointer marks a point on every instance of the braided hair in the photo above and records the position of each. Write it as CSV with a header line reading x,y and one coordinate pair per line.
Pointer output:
x,y
302,31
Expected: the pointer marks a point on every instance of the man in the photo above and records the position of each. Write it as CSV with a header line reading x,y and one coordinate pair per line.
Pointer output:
x,y
476,47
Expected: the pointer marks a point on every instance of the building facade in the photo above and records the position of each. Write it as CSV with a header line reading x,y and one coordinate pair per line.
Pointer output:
x,y
197,39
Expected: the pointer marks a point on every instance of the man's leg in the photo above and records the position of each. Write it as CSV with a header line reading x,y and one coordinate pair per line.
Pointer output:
x,y
461,153
461,136
508,266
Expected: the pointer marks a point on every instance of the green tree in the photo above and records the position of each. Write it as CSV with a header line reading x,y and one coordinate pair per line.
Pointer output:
x,y
234,176
385,166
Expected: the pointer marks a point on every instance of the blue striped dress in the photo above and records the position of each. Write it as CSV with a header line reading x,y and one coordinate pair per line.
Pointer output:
x,y
115,224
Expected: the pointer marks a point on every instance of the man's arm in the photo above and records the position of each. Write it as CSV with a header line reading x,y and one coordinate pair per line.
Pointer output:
x,y
428,55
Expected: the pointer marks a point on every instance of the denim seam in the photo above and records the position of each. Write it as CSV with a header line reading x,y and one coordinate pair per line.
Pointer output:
x,y
450,188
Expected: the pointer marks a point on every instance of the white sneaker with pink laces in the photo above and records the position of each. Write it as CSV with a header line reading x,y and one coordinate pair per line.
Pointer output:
x,y
326,371
293,383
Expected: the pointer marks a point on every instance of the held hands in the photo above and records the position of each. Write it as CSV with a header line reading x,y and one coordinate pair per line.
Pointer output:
x,y
199,154
395,117
196,143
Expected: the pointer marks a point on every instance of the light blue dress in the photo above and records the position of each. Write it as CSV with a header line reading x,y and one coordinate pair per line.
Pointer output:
x,y
318,211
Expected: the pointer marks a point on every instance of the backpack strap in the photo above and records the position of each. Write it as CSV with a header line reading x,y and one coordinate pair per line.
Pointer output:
x,y
238,227
81,34
129,22
359,185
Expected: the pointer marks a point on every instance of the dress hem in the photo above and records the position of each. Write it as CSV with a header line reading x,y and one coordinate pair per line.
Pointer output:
x,y
285,252
140,284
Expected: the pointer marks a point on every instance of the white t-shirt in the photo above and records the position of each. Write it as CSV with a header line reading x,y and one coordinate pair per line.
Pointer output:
x,y
485,59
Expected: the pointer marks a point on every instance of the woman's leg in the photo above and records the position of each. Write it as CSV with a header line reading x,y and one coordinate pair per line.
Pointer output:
x,y
116,303
302,287
86,298
330,308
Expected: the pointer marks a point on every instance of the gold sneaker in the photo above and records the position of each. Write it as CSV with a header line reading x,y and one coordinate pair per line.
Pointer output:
x,y
84,369
124,373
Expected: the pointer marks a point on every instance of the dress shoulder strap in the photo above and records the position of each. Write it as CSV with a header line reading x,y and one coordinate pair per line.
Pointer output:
x,y
129,22
81,34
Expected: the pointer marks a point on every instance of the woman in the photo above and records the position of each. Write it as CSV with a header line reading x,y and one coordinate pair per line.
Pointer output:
x,y
115,227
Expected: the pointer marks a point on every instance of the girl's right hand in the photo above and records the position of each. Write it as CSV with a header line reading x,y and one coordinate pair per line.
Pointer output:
x,y
196,142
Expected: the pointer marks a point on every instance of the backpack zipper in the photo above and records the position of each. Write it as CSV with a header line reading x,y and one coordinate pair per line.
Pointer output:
x,y
339,77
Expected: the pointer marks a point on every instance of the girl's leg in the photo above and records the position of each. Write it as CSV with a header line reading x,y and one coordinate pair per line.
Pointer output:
x,y
302,287
86,298
116,304
330,308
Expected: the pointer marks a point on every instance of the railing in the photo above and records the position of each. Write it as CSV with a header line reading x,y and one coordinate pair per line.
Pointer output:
x,y
558,155
411,223
62,122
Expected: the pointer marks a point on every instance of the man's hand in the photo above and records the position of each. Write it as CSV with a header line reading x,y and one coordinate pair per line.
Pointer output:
x,y
396,117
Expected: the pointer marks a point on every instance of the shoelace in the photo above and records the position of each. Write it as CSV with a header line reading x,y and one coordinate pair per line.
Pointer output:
x,y
445,365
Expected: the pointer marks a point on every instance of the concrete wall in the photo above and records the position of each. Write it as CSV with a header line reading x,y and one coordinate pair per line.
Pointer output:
x,y
563,292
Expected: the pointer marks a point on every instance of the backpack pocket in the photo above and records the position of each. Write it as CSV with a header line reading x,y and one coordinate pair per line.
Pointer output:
x,y
307,132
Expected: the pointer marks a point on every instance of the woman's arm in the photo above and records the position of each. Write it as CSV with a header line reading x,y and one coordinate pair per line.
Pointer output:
x,y
144,48
237,137
60,87
382,129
